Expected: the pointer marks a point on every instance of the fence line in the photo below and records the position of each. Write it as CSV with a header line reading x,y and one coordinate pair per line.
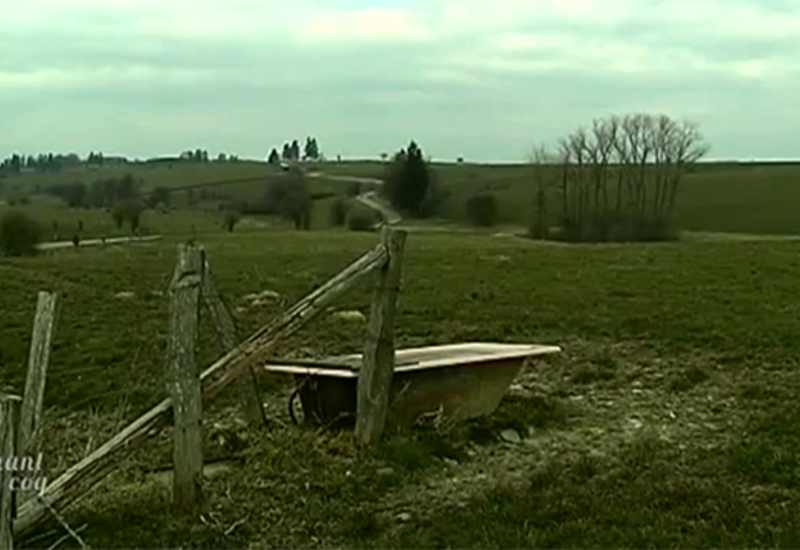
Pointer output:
x,y
84,475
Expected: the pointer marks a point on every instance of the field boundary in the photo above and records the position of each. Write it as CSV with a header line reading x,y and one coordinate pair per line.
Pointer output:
x,y
94,242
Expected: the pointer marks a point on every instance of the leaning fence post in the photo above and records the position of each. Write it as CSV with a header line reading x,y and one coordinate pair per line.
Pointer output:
x,y
9,418
377,368
33,398
226,332
183,378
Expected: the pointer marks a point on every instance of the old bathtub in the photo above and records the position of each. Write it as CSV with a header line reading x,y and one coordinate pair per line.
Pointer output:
x,y
459,380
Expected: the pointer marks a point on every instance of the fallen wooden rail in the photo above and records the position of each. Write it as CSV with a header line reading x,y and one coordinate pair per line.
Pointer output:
x,y
84,475
225,328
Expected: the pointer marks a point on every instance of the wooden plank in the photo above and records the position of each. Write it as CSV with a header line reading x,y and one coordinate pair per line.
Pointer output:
x,y
260,345
183,381
9,418
377,368
226,333
81,477
38,359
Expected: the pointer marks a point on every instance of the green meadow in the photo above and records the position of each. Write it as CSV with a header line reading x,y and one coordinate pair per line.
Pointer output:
x,y
670,419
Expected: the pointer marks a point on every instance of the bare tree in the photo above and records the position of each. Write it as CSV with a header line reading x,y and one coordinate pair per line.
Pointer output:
x,y
620,179
542,161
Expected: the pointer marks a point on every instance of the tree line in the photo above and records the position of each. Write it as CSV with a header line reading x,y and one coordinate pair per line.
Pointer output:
x,y
201,155
44,162
291,152
55,162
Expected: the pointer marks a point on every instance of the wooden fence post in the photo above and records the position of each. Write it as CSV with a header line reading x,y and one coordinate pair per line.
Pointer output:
x,y
38,359
183,379
9,418
226,332
377,368
80,478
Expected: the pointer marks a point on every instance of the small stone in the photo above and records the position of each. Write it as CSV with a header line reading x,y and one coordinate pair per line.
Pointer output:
x,y
354,316
269,295
450,462
404,517
385,471
511,436
519,391
126,295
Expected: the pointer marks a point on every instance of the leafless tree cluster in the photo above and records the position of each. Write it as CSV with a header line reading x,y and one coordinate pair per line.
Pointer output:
x,y
619,179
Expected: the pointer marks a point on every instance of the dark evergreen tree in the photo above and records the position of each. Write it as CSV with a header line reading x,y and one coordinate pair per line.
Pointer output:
x,y
408,181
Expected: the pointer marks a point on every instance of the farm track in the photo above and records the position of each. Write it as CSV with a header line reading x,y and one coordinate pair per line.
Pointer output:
x,y
94,242
371,200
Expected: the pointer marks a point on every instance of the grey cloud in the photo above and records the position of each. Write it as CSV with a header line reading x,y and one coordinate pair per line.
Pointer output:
x,y
254,91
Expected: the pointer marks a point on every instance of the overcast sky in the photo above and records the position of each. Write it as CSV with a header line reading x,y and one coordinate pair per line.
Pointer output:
x,y
483,79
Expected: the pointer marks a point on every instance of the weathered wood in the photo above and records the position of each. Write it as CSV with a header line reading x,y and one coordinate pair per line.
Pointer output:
x,y
81,477
377,367
259,346
9,418
183,381
226,332
38,359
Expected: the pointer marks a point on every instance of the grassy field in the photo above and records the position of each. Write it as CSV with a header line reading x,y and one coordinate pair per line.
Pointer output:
x,y
748,198
728,197
671,418
151,175
200,217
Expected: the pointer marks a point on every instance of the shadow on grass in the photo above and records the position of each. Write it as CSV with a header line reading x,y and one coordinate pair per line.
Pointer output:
x,y
517,413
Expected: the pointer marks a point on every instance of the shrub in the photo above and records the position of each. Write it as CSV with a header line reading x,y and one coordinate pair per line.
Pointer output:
x,y
360,220
353,189
119,216
232,217
129,210
435,197
482,210
288,196
19,235
338,213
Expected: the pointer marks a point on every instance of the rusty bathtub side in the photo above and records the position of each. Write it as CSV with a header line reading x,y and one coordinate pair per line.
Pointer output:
x,y
461,381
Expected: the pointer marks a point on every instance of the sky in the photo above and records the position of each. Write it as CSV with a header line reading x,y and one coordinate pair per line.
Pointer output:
x,y
479,79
